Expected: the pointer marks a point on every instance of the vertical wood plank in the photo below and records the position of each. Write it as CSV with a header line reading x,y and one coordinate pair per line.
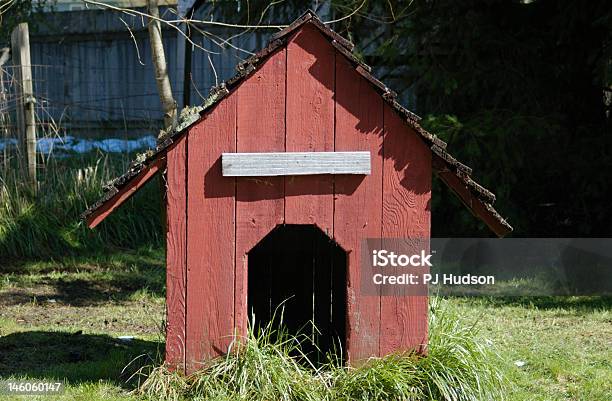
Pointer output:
x,y
358,201
310,125
211,236
259,201
176,254
405,214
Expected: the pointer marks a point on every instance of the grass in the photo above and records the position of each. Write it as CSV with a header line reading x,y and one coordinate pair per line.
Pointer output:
x,y
564,342
260,368
48,226
268,366
61,320
67,294
460,365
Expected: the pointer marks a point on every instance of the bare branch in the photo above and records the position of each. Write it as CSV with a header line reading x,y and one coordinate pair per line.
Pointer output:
x,y
355,11
182,20
134,39
213,70
4,7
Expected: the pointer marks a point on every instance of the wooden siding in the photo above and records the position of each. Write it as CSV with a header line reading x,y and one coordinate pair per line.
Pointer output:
x,y
310,125
260,202
176,255
358,201
405,214
211,209
304,98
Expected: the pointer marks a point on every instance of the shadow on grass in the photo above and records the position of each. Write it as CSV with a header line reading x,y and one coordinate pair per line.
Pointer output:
x,y
86,281
75,358
577,303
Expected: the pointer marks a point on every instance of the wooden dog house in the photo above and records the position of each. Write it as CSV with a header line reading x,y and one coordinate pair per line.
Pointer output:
x,y
303,149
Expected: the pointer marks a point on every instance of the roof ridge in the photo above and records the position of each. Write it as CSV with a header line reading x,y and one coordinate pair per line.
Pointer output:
x,y
443,161
313,18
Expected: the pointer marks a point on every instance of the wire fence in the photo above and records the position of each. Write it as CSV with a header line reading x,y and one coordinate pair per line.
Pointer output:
x,y
95,88
61,126
47,124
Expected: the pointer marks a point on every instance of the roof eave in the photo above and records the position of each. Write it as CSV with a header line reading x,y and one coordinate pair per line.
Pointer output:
x,y
478,199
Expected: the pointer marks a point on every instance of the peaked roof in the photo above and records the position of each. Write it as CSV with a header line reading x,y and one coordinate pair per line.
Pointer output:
x,y
453,173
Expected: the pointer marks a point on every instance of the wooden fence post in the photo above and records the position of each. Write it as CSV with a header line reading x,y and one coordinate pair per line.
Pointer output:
x,y
26,122
4,56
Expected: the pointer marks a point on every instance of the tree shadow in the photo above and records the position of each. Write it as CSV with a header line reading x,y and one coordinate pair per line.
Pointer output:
x,y
402,146
84,283
75,357
373,118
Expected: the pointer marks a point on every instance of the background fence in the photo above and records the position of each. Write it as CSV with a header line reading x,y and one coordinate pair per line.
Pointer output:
x,y
93,80
49,115
100,78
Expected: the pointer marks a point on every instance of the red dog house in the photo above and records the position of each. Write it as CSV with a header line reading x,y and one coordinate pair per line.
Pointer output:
x,y
271,186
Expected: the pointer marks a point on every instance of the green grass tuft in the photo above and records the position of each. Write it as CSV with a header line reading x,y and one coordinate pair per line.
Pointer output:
x,y
163,384
262,367
459,366
394,377
47,224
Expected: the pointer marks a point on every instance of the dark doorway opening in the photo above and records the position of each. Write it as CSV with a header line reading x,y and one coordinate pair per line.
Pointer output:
x,y
299,272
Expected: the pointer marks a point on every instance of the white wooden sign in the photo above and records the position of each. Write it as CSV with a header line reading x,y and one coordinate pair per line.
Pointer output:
x,y
294,163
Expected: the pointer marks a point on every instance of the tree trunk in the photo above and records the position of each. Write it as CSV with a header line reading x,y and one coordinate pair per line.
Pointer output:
x,y
161,69
165,91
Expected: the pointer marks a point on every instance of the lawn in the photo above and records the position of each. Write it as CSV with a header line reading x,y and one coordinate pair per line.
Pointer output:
x,y
62,319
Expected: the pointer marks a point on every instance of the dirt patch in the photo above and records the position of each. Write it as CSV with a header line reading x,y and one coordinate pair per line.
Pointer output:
x,y
134,318
78,283
21,296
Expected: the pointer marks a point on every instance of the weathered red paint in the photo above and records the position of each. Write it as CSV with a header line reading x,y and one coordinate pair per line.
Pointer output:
x,y
260,202
358,200
305,97
474,204
310,125
176,254
210,236
405,214
133,186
